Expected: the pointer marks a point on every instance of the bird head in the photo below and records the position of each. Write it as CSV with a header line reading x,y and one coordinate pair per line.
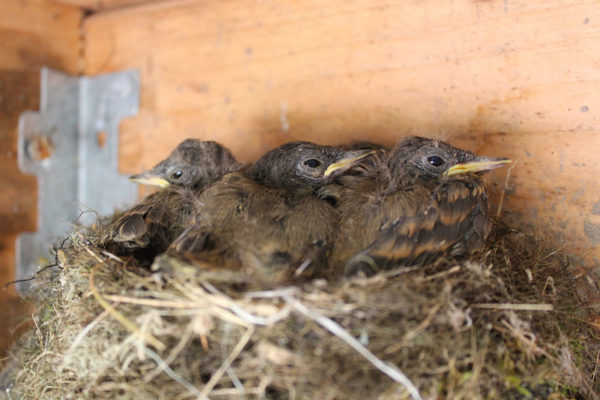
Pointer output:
x,y
433,159
194,163
298,166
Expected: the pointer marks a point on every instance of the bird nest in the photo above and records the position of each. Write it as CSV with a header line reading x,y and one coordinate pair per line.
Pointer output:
x,y
505,323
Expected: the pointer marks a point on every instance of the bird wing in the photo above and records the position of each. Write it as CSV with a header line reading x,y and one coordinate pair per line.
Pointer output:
x,y
425,223
130,228
365,210
155,221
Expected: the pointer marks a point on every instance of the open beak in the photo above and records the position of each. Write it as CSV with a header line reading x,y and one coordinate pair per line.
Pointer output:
x,y
351,159
479,164
148,178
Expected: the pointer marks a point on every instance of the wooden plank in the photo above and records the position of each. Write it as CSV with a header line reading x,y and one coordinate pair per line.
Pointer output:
x,y
506,78
32,34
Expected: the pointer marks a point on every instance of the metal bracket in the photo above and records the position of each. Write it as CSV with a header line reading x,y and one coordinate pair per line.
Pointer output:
x,y
71,145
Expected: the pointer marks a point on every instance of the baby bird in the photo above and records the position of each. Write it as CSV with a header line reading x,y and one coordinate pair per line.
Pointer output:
x,y
153,224
424,200
267,223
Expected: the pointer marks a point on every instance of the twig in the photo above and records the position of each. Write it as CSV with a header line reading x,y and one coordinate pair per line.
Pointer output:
x,y
214,379
524,339
302,267
400,271
235,381
32,277
218,306
560,248
245,315
176,377
408,336
271,294
174,353
38,332
2,359
157,303
112,256
519,307
93,254
57,263
596,367
504,188
390,370
452,270
233,391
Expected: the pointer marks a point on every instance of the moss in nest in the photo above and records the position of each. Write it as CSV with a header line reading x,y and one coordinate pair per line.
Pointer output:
x,y
505,323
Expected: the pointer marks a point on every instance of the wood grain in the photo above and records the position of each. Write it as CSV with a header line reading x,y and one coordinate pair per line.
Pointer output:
x,y
102,5
501,77
32,34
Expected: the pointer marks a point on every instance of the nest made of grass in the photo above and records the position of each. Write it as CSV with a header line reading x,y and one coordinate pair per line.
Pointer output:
x,y
506,323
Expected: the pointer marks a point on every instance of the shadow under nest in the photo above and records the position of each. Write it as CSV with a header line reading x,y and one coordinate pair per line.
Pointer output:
x,y
506,324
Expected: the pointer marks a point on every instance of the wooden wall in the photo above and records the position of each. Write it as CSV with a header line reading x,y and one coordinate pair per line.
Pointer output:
x,y
102,5
515,78
33,33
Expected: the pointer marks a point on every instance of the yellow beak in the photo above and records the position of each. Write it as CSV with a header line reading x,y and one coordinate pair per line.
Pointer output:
x,y
347,162
478,165
148,179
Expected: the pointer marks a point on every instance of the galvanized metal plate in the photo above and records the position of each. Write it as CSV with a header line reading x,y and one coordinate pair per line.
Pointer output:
x,y
71,145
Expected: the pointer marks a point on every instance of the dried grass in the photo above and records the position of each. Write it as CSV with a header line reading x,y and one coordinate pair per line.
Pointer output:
x,y
505,324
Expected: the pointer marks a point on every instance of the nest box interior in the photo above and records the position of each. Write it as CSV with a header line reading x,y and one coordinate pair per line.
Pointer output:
x,y
507,78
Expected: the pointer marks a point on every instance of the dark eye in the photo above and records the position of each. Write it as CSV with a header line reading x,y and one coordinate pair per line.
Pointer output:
x,y
177,174
312,163
435,161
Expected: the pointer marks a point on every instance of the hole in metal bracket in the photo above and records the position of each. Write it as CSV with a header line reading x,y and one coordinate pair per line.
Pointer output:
x,y
101,139
39,148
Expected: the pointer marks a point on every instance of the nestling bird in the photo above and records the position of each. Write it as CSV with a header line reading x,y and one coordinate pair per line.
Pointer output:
x,y
193,164
267,223
154,223
425,200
